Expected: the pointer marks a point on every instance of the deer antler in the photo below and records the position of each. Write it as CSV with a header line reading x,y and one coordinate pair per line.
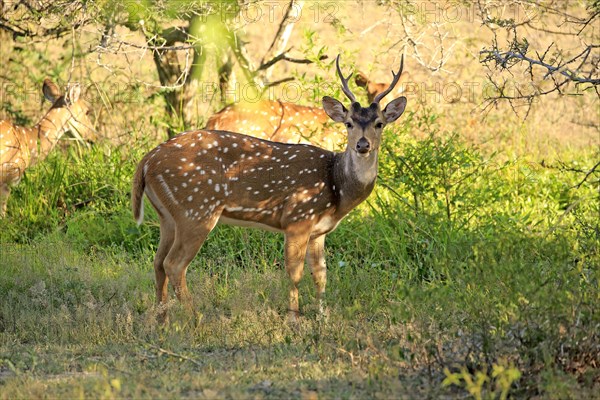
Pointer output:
x,y
394,82
345,88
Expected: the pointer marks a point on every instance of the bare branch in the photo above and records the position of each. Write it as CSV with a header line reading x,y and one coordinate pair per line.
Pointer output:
x,y
284,57
563,167
509,58
176,355
279,81
559,66
588,174
414,37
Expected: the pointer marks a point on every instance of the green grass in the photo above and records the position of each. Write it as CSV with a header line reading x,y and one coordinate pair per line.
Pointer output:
x,y
463,273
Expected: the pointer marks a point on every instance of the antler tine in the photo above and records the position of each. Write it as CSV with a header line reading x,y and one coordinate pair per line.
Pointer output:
x,y
345,88
393,84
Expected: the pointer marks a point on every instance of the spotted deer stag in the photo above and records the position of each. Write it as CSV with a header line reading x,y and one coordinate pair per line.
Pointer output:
x,y
279,121
21,147
200,178
375,88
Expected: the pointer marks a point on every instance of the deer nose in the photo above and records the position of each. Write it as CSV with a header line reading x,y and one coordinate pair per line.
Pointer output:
x,y
363,146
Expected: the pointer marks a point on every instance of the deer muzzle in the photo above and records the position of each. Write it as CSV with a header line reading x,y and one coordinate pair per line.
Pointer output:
x,y
363,146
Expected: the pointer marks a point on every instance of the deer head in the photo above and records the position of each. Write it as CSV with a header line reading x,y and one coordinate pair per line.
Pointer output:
x,y
69,112
364,124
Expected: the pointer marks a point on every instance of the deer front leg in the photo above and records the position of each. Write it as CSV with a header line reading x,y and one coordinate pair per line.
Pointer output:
x,y
316,261
295,251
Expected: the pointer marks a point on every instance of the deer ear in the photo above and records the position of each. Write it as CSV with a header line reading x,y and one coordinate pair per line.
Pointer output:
x,y
394,109
361,80
334,109
50,90
73,94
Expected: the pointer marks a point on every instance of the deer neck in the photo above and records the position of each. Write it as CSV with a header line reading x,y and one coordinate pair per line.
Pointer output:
x,y
354,178
47,132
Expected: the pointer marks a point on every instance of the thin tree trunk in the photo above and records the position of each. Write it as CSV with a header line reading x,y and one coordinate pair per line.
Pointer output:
x,y
179,101
283,34
225,76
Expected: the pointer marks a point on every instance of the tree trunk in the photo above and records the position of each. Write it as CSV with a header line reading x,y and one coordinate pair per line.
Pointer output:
x,y
178,95
283,34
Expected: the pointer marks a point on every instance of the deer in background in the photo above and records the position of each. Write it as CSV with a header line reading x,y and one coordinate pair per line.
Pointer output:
x,y
375,88
200,178
286,122
279,121
22,147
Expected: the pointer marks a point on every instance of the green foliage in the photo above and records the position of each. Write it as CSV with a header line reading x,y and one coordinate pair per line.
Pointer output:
x,y
457,261
65,186
439,173
480,385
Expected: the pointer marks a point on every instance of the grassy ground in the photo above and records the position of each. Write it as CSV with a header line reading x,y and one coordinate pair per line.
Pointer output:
x,y
472,270
110,346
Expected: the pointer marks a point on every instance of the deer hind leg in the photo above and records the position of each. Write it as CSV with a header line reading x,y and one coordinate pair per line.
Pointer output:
x,y
296,241
167,237
4,193
316,261
188,240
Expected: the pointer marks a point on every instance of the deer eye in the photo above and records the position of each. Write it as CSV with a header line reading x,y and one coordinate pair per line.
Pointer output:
x,y
349,125
379,125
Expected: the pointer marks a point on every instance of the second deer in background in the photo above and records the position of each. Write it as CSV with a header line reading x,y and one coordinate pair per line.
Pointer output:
x,y
279,121
375,88
21,147
287,122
